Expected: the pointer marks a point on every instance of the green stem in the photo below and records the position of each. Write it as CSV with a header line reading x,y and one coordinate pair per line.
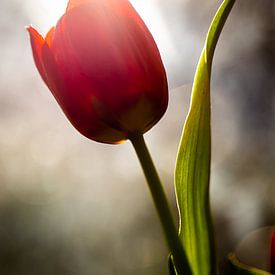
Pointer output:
x,y
162,205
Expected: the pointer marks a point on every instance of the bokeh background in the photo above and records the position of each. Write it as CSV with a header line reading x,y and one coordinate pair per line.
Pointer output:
x,y
70,206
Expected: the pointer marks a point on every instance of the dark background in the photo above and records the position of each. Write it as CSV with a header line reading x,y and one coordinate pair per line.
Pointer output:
x,y
71,206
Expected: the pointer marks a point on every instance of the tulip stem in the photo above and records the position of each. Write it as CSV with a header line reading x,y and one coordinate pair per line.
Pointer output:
x,y
162,205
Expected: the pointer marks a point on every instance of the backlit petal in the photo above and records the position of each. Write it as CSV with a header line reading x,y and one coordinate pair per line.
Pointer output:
x,y
114,51
77,105
75,3
104,69
37,42
49,36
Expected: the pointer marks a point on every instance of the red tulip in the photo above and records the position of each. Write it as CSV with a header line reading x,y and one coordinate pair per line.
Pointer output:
x,y
104,69
272,253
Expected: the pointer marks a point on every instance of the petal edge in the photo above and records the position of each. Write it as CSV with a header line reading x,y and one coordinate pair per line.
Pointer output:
x,y
75,3
37,42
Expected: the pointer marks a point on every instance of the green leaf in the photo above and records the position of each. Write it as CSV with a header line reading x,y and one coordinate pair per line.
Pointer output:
x,y
171,266
193,161
238,268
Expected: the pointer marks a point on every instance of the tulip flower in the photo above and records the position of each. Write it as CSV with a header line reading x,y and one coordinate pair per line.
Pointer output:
x,y
104,69
272,253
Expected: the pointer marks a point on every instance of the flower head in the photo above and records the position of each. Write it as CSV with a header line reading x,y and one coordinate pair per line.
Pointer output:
x,y
272,253
104,69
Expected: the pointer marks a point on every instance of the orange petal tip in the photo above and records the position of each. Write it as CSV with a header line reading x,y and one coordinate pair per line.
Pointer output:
x,y
75,3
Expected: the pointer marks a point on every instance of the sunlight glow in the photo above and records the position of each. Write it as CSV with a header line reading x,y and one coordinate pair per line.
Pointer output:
x,y
45,14
151,15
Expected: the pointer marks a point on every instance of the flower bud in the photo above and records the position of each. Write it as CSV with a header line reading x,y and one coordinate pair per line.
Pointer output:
x,y
104,69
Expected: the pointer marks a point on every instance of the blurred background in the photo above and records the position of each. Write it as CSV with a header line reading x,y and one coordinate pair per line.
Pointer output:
x,y
70,206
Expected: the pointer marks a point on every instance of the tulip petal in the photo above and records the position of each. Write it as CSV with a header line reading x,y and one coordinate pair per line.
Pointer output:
x,y
49,36
112,51
37,42
76,105
104,69
75,3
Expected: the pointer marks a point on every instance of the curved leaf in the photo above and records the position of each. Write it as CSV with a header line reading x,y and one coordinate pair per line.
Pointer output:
x,y
238,268
193,161
171,266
